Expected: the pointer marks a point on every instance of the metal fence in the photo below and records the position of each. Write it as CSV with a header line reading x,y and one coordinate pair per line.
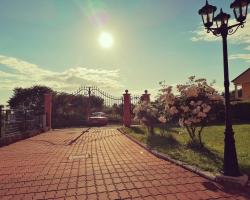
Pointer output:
x,y
18,121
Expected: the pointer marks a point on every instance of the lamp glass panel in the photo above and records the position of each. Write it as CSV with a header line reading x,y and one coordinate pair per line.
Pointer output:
x,y
218,22
225,21
210,17
244,11
237,12
205,17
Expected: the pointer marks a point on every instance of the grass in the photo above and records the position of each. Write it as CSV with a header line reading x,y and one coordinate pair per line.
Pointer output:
x,y
174,143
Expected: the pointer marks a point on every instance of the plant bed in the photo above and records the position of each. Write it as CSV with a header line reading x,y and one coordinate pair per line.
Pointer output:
x,y
174,142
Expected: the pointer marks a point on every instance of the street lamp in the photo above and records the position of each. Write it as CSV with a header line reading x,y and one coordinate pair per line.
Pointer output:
x,y
230,165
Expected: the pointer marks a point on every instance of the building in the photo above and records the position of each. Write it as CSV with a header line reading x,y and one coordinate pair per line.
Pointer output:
x,y
242,82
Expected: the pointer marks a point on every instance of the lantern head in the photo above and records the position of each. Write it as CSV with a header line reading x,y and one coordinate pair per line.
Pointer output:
x,y
240,9
222,19
207,14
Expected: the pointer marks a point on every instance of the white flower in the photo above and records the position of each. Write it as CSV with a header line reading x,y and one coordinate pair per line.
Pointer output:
x,y
201,115
192,103
204,105
216,97
185,108
162,119
173,110
194,120
196,110
187,122
192,92
207,109
199,102
181,122
198,121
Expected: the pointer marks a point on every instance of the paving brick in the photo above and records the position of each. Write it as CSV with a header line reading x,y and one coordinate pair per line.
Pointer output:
x,y
101,164
113,195
124,194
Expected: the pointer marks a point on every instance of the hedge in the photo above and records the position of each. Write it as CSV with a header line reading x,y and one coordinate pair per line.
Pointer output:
x,y
241,111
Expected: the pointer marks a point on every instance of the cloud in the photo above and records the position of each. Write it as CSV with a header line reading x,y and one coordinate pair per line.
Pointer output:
x,y
242,36
200,34
245,57
20,73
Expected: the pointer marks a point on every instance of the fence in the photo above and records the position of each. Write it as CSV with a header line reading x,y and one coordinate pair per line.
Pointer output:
x,y
14,122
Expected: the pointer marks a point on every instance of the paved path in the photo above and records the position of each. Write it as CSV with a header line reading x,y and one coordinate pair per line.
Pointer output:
x,y
100,164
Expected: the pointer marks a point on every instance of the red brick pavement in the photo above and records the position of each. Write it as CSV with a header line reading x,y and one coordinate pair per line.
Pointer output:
x,y
101,164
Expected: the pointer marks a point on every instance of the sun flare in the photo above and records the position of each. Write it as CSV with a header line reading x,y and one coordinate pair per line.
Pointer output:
x,y
106,40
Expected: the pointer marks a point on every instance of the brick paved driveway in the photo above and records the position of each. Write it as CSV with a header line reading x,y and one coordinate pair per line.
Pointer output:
x,y
100,164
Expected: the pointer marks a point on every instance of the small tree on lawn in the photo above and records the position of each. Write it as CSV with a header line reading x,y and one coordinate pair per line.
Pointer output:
x,y
148,114
192,105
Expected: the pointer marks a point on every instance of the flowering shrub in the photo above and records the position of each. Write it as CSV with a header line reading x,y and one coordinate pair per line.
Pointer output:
x,y
148,114
192,105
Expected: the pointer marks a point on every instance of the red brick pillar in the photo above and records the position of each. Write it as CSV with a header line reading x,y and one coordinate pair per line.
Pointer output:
x,y
48,110
126,109
1,120
146,96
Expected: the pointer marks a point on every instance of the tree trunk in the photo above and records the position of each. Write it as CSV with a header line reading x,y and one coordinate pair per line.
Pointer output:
x,y
151,130
199,135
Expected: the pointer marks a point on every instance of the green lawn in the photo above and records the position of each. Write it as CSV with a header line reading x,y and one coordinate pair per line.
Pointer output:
x,y
174,143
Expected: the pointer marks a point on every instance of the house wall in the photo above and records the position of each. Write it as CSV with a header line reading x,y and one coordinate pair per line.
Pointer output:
x,y
246,91
245,78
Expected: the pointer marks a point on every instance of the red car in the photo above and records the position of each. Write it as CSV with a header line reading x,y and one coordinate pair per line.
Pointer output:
x,y
98,119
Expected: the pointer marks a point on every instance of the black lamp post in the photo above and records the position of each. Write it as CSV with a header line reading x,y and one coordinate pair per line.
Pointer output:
x,y
230,166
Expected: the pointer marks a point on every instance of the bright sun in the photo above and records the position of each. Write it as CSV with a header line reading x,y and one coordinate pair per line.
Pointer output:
x,y
106,40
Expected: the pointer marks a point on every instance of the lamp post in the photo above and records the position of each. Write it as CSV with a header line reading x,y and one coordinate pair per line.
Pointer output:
x,y
240,7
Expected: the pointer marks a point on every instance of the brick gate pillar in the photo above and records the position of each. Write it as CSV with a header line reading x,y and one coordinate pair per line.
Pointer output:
x,y
47,110
1,120
146,96
126,109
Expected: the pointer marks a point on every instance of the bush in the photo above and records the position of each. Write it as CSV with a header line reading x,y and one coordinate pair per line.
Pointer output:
x,y
192,104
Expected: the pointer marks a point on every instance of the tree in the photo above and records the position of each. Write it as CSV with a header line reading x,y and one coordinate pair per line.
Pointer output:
x,y
29,98
96,103
73,110
192,105
148,114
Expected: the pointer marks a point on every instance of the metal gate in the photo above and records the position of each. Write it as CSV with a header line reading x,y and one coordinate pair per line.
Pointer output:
x,y
18,121
112,106
134,101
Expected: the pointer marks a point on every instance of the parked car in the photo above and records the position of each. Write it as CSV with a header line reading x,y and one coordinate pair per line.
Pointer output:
x,y
98,119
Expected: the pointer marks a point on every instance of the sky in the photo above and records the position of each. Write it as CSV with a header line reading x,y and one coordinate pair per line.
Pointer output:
x,y
57,43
